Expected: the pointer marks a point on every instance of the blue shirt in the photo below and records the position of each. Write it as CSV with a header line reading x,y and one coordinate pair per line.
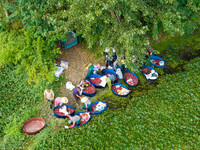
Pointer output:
x,y
76,92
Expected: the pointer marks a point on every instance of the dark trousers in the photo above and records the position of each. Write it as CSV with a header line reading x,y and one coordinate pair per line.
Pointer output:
x,y
89,107
110,62
51,103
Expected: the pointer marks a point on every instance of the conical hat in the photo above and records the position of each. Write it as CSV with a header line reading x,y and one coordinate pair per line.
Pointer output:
x,y
64,100
84,99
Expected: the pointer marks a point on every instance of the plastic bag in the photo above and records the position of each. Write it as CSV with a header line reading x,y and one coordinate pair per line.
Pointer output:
x,y
64,110
58,71
64,64
119,73
103,81
69,86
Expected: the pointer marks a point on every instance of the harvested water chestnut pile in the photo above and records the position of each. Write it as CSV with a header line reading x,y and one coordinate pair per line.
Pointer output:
x,y
89,89
93,108
146,70
156,62
60,113
115,89
130,75
96,80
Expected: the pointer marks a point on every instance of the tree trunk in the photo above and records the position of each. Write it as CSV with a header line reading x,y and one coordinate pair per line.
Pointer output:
x,y
5,10
113,13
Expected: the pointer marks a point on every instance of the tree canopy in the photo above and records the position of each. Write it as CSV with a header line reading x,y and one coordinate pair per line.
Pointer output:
x,y
126,25
129,25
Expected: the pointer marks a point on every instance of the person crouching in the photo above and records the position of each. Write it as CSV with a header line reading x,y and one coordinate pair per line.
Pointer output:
x,y
75,120
87,103
77,93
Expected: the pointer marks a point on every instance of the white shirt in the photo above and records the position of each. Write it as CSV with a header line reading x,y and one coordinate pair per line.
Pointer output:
x,y
49,95
88,102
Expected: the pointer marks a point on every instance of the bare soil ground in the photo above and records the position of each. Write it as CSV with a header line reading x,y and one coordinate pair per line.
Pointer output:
x,y
79,58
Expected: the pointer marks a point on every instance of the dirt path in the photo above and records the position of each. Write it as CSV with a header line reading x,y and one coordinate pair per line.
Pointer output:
x,y
78,58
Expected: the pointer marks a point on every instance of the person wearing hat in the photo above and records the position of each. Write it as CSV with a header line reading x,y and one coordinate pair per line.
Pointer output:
x,y
75,120
60,101
49,96
87,103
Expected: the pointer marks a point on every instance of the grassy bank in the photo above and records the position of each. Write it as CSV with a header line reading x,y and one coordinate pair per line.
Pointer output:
x,y
166,117
161,114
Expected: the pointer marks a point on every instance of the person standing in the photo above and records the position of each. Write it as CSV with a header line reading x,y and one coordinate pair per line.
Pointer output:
x,y
49,96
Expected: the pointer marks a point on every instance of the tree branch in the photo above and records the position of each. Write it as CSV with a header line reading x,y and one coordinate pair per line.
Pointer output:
x,y
5,10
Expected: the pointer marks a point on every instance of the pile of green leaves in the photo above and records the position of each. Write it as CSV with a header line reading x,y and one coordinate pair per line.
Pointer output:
x,y
36,56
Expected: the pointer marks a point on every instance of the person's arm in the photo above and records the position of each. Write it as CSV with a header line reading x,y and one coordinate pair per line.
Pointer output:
x,y
45,98
61,103
86,105
72,126
80,83
88,82
53,95
73,122
78,96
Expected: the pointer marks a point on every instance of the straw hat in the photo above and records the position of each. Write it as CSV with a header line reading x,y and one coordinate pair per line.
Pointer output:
x,y
64,100
84,99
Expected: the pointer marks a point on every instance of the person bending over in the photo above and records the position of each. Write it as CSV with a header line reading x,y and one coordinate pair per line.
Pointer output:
x,y
75,120
87,103
77,93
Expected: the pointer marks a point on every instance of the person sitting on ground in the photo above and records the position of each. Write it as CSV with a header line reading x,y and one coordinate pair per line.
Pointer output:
x,y
75,120
49,96
87,103
77,93
84,83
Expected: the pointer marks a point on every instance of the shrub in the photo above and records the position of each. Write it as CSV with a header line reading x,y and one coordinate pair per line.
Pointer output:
x,y
35,55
